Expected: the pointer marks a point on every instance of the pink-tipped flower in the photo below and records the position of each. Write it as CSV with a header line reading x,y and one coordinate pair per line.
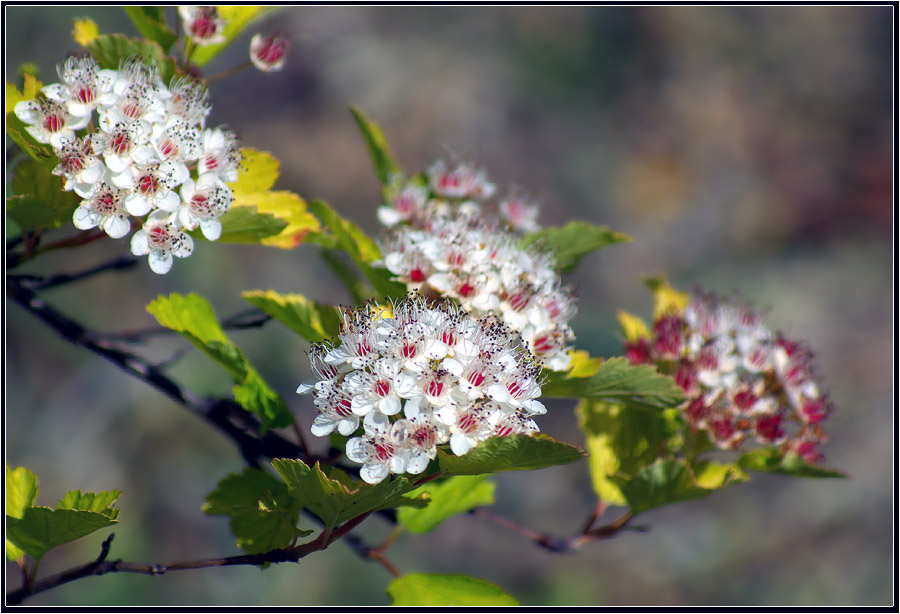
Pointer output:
x,y
203,24
268,53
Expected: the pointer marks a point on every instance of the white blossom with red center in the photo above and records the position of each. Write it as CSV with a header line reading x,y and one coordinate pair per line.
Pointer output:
x,y
743,381
83,86
78,166
188,99
202,203
104,207
268,53
49,121
418,377
123,142
152,186
161,240
203,24
219,154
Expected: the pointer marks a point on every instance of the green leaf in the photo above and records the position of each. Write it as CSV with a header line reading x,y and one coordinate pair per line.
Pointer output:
x,y
310,320
15,128
193,317
21,489
42,528
263,516
245,224
423,590
361,249
621,441
237,18
101,502
770,460
618,381
111,49
386,166
151,22
449,497
336,498
513,453
40,202
258,172
669,481
573,241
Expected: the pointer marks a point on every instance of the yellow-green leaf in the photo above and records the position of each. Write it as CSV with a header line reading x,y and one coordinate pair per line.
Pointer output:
x,y
633,327
21,489
42,528
312,321
582,364
259,171
430,590
667,300
291,209
449,497
386,166
84,31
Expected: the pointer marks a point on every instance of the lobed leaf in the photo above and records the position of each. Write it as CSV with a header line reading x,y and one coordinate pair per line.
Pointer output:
x,y
513,453
336,498
151,23
246,224
570,243
310,320
237,18
40,202
447,498
386,166
101,502
771,460
618,381
193,317
21,489
430,590
41,528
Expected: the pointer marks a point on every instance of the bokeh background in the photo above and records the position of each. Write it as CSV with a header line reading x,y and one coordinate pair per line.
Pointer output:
x,y
745,148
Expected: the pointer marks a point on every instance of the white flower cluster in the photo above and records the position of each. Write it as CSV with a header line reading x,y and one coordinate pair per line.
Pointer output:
x,y
418,377
140,159
742,380
442,244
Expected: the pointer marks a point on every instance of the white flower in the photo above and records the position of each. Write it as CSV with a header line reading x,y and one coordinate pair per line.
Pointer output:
x,y
203,24
220,154
268,53
152,186
520,215
177,140
84,86
161,240
137,95
202,203
379,450
104,208
188,99
123,142
78,166
49,121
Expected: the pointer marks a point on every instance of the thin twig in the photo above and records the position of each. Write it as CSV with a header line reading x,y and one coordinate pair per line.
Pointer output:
x,y
231,71
239,321
35,282
556,544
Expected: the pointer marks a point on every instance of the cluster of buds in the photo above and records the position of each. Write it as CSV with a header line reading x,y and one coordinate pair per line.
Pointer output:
x,y
742,381
417,377
151,154
205,25
443,242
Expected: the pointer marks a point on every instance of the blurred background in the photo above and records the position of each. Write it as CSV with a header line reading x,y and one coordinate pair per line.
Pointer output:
x,y
745,148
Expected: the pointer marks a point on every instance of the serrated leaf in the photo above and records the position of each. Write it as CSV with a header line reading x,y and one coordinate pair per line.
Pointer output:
x,y
40,202
258,172
247,225
150,22
336,498
770,460
361,249
582,365
618,381
424,590
633,327
513,453
193,317
110,49
447,498
262,514
84,31
42,528
667,300
669,481
237,18
570,243
21,489
101,502
310,320
621,441
386,166
289,208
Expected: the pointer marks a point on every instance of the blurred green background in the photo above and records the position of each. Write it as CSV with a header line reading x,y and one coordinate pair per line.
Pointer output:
x,y
746,149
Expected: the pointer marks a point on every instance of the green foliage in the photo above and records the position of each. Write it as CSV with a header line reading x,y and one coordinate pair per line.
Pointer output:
x,y
770,460
621,441
424,590
618,381
15,128
570,243
151,23
513,453
237,18
671,480
193,317
336,498
110,49
361,249
386,166
21,489
263,516
245,224
310,320
449,497
40,202
101,502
